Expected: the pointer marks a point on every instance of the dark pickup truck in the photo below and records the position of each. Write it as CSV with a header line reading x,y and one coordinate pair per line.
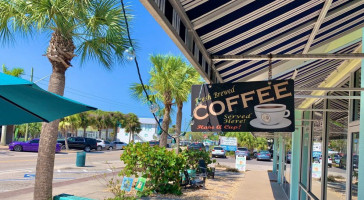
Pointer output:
x,y
82,143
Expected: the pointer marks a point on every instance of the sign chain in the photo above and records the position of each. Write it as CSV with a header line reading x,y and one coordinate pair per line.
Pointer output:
x,y
270,67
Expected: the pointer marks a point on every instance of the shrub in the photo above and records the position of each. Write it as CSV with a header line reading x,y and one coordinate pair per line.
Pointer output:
x,y
193,156
331,178
160,166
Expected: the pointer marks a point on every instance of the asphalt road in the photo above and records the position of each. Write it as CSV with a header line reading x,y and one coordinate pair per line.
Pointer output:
x,y
18,168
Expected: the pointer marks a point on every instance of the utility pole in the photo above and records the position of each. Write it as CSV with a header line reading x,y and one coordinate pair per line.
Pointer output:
x,y
27,126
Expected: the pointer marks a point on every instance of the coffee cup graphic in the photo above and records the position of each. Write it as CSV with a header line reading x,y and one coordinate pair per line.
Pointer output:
x,y
271,114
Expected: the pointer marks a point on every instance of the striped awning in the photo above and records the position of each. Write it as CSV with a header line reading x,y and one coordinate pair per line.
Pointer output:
x,y
206,28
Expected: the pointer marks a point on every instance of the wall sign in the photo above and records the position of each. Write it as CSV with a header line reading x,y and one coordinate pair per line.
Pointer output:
x,y
259,106
228,143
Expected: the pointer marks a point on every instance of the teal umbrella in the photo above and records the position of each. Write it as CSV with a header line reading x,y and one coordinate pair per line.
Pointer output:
x,y
22,101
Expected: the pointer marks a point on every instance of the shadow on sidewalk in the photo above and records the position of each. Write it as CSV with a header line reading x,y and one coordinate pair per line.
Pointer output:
x,y
277,190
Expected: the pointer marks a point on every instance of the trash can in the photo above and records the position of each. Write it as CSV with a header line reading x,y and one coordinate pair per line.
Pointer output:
x,y
81,159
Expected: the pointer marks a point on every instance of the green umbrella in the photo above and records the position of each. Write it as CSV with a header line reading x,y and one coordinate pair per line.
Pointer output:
x,y
22,101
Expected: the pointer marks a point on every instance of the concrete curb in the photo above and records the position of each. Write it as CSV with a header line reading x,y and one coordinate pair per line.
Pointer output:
x,y
4,148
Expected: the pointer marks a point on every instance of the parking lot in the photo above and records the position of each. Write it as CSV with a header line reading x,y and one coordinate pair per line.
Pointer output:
x,y
17,169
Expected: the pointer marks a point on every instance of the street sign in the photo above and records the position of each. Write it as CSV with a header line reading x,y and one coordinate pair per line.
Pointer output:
x,y
260,106
240,163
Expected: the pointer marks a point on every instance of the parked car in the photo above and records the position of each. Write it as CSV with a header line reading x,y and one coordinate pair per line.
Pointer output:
x,y
102,144
153,143
263,155
31,145
218,152
337,158
118,145
242,151
288,158
86,144
329,161
184,143
196,146
355,160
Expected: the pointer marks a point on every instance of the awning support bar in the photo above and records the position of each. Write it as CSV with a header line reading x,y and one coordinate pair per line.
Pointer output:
x,y
322,56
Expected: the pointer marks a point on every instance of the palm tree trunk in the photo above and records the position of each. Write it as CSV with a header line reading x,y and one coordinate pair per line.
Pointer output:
x,y
107,133
84,132
129,138
48,136
65,140
47,145
100,133
115,133
178,123
165,125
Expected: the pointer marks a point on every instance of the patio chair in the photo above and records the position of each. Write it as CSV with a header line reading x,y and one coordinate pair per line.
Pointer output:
x,y
193,182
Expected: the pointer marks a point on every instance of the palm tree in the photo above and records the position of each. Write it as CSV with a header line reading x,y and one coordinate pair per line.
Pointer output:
x,y
187,77
161,86
84,121
92,28
98,121
132,125
7,131
74,124
64,126
108,123
117,118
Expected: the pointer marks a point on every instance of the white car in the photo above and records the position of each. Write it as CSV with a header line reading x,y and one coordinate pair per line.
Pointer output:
x,y
329,161
118,145
218,152
100,144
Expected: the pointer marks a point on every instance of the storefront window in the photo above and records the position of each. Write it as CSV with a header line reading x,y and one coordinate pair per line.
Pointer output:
x,y
287,164
356,102
355,165
337,147
316,147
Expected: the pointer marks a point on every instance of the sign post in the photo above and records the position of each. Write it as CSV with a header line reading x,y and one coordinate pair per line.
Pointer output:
x,y
260,106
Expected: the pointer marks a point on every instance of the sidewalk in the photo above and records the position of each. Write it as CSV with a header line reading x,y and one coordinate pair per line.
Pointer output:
x,y
260,185
93,187
2,147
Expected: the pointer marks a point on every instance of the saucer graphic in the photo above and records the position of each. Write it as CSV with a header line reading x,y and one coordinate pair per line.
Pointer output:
x,y
284,123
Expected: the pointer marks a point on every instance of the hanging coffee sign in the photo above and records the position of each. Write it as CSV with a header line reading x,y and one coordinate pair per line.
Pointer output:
x,y
261,106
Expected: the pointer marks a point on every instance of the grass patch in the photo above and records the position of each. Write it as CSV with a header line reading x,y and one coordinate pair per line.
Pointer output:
x,y
229,169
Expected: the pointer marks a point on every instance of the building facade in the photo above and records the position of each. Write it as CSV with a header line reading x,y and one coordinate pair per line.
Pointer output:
x,y
149,131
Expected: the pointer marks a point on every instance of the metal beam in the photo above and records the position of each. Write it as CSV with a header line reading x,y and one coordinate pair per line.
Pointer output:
x,y
322,56
322,110
325,97
318,23
330,89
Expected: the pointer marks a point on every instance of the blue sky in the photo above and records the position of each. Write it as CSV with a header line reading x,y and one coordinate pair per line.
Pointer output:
x,y
91,83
